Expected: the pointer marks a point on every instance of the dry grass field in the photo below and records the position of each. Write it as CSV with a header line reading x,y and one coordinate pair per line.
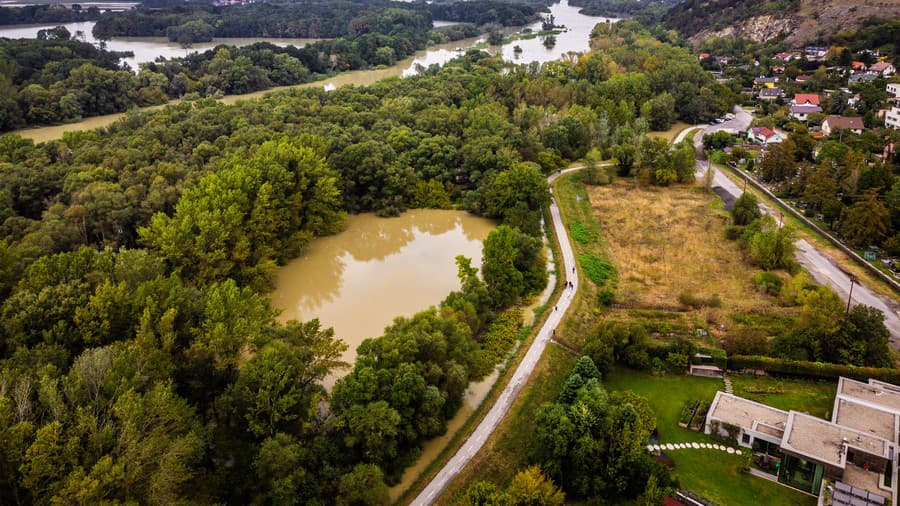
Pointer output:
x,y
669,243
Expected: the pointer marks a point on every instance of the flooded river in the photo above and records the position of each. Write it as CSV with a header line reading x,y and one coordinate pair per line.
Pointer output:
x,y
574,39
145,49
358,281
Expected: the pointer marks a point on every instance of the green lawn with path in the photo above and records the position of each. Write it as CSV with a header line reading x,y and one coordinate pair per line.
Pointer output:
x,y
713,474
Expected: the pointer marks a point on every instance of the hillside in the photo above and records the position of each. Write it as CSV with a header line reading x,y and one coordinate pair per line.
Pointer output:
x,y
799,21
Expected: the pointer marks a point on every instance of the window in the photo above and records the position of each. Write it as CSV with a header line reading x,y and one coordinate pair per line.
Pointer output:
x,y
745,439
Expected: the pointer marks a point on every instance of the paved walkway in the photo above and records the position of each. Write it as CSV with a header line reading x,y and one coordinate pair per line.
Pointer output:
x,y
468,450
692,446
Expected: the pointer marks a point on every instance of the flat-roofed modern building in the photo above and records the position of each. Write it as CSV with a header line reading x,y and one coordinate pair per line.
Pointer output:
x,y
854,452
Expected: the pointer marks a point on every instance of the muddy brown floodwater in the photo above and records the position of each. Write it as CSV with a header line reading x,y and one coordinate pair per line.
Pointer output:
x,y
377,269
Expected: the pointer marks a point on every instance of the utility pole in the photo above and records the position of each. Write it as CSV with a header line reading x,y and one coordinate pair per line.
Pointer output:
x,y
850,296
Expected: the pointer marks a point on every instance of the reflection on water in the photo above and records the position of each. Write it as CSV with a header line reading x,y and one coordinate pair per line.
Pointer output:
x,y
358,281
576,37
473,397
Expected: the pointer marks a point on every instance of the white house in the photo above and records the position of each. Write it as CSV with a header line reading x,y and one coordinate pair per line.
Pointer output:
x,y
833,123
894,89
882,68
892,118
802,112
764,136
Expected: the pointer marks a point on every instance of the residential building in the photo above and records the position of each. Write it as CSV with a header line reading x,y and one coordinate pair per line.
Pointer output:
x,y
767,82
806,99
851,456
802,112
815,52
764,136
770,93
802,79
882,68
892,118
858,65
894,89
834,123
703,56
861,77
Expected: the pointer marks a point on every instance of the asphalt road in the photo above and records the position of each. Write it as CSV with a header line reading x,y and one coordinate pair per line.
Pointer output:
x,y
468,450
825,270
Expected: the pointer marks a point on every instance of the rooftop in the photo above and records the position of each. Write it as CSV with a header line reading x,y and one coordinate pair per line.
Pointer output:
x,y
845,122
741,412
881,394
824,441
864,418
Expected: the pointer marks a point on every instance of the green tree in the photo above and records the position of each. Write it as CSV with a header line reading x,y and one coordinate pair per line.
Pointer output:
x,y
866,222
513,265
659,111
745,209
529,487
363,486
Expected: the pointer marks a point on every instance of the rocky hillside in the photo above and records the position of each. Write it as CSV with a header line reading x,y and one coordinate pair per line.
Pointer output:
x,y
799,21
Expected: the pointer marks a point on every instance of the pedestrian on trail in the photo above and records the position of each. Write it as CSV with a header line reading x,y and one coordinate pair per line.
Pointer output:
x,y
573,269
555,308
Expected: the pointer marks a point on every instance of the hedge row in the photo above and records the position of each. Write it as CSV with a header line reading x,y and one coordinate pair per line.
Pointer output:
x,y
812,369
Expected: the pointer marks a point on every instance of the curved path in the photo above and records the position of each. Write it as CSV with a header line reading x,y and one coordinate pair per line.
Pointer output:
x,y
468,450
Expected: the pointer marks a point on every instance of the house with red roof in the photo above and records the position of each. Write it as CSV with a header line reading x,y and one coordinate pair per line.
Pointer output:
x,y
858,65
764,136
882,68
806,99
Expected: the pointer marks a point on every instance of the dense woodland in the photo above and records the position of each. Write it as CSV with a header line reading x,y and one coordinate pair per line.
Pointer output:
x,y
46,14
54,79
305,19
140,359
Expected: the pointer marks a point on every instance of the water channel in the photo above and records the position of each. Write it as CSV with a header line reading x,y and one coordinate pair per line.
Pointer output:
x,y
575,38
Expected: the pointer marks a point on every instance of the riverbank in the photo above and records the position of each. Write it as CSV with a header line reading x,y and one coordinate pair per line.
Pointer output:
x,y
576,38
425,57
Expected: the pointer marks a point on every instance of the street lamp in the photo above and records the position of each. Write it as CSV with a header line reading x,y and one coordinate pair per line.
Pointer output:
x,y
850,295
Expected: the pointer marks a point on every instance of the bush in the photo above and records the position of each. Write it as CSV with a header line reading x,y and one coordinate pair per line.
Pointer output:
x,y
606,297
595,269
812,369
734,232
746,341
501,334
579,232
691,300
768,283
677,362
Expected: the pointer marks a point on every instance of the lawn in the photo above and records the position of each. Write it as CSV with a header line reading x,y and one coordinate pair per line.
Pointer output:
x,y
671,133
715,475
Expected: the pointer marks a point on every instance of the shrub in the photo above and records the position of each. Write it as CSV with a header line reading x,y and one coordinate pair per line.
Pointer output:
x,y
606,297
734,232
812,369
501,334
595,269
768,283
677,362
691,300
579,232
